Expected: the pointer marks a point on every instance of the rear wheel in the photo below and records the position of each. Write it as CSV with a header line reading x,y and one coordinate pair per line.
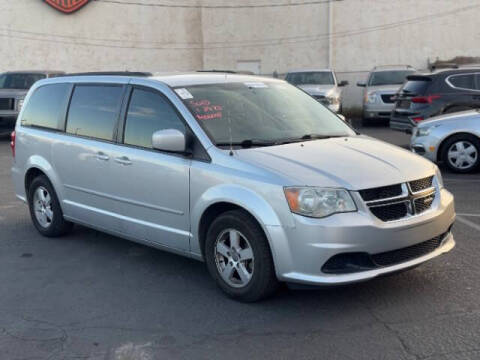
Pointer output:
x,y
238,257
461,153
45,211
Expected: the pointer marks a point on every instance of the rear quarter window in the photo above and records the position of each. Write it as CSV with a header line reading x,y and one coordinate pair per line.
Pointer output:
x,y
94,111
416,87
462,81
45,106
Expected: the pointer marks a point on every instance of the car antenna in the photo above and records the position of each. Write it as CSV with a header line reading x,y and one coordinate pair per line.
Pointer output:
x,y
230,130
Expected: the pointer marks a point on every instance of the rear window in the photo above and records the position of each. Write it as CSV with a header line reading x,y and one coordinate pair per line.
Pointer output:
x,y
416,87
94,111
45,105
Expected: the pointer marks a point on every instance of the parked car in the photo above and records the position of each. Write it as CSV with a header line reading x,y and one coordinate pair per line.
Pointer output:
x,y
428,95
322,84
380,89
13,88
249,174
453,139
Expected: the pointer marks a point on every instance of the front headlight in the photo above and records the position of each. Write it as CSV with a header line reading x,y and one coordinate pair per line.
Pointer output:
x,y
19,104
439,177
333,100
371,97
426,130
319,202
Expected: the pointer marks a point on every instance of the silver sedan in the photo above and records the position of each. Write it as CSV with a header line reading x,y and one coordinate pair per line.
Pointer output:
x,y
453,139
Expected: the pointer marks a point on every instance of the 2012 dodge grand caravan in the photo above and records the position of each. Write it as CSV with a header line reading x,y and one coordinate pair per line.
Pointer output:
x,y
249,174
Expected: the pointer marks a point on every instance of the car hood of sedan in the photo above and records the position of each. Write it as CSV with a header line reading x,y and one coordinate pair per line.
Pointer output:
x,y
317,89
451,118
353,163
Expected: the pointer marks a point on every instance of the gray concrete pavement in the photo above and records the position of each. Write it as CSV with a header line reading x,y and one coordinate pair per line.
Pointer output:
x,y
94,296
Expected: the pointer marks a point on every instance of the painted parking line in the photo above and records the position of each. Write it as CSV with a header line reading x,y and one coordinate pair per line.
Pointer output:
x,y
468,215
468,223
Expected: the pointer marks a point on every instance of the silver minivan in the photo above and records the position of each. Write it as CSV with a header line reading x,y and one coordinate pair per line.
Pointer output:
x,y
249,174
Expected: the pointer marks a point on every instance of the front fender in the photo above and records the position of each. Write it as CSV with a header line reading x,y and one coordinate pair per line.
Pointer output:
x,y
242,197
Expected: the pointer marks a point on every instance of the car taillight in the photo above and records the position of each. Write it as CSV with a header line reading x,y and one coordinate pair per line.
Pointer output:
x,y
424,99
12,143
418,119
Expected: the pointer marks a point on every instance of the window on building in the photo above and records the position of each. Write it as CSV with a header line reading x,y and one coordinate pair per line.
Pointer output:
x,y
45,105
94,111
149,112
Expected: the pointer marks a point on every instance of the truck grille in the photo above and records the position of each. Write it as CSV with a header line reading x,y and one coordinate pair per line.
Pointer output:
x,y
388,98
7,103
395,202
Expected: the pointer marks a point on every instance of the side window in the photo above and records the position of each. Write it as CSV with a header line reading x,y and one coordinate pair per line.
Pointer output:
x,y
464,81
149,112
44,107
94,110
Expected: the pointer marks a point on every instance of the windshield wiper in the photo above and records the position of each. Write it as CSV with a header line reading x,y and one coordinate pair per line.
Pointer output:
x,y
309,137
248,143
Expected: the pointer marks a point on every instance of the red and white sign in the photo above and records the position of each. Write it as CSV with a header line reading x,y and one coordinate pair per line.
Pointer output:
x,y
67,6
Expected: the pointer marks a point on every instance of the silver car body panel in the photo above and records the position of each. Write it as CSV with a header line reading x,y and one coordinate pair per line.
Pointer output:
x,y
441,128
160,199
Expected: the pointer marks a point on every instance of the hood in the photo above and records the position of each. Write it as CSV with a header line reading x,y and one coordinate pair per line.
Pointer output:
x,y
453,117
16,93
387,89
313,89
353,163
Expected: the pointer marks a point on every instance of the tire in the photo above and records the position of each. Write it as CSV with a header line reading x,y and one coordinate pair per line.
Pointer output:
x,y
50,221
468,147
455,109
259,280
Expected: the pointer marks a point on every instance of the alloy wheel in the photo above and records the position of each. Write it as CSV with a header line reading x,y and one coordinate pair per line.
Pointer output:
x,y
42,205
462,155
234,258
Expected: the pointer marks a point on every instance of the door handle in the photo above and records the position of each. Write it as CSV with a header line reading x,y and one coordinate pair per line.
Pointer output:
x,y
102,156
123,160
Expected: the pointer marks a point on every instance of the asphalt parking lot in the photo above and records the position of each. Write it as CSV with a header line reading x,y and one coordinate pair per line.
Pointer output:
x,y
94,296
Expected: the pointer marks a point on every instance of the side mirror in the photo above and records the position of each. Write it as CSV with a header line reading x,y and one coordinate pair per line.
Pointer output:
x,y
342,117
343,83
171,140
361,84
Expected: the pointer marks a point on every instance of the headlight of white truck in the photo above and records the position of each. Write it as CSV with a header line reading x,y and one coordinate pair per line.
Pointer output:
x,y
319,202
371,97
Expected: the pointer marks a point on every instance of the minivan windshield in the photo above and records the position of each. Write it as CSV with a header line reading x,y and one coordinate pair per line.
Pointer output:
x,y
311,78
396,77
22,81
260,114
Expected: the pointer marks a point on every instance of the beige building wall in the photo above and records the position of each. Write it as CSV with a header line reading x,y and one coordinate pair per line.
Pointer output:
x,y
100,36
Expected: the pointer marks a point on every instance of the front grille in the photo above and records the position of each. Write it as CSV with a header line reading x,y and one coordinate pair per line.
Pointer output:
x,y
422,184
390,212
394,202
423,204
380,193
388,98
409,253
356,262
6,103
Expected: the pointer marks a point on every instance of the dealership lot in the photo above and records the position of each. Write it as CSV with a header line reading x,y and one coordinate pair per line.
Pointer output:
x,y
94,296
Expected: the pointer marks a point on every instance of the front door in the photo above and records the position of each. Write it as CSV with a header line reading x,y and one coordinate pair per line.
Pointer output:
x,y
152,187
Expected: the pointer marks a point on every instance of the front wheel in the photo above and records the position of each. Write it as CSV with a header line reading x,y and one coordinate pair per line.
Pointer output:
x,y
461,153
238,257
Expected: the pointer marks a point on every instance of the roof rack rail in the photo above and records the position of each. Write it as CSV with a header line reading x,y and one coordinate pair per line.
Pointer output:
x,y
439,66
393,65
111,73
218,71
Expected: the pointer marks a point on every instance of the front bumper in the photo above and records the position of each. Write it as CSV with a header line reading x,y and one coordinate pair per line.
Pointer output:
x,y
426,146
301,252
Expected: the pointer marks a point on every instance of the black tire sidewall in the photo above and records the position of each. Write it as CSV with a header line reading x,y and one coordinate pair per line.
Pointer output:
x,y
59,225
471,139
263,274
